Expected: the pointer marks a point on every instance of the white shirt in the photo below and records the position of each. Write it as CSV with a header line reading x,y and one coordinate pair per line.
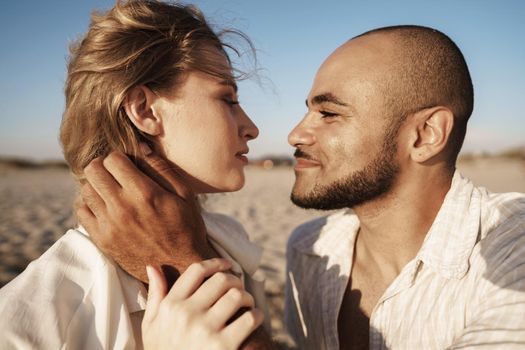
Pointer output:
x,y
74,297
464,289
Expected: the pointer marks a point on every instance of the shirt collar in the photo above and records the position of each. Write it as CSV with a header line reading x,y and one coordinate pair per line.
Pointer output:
x,y
449,242
327,234
230,237
446,248
134,292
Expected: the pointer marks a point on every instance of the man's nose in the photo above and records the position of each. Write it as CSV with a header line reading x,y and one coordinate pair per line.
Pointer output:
x,y
301,135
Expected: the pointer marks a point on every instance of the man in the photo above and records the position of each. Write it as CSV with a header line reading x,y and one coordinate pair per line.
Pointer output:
x,y
423,259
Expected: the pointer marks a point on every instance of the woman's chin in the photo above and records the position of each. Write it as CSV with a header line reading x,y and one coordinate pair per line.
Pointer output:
x,y
232,186
234,183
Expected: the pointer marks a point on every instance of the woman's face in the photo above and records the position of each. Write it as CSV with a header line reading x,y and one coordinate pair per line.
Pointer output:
x,y
205,132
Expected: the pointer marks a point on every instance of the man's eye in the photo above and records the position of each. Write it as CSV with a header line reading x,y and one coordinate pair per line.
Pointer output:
x,y
231,102
326,114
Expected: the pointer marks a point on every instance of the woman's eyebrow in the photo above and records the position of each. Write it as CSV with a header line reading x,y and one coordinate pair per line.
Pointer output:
x,y
230,82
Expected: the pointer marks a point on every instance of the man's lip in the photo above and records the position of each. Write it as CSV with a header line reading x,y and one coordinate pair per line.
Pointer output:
x,y
303,163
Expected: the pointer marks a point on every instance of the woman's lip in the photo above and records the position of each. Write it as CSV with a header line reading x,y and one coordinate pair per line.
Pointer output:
x,y
242,158
303,163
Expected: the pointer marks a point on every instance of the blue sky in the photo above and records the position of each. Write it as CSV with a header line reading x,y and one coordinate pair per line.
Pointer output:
x,y
292,38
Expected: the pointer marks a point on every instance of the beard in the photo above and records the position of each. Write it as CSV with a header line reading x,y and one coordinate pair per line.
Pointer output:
x,y
371,182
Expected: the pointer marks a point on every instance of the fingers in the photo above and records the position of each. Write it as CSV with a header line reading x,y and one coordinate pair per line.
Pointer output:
x,y
194,275
84,215
92,199
157,290
229,304
237,331
214,288
164,173
102,180
125,172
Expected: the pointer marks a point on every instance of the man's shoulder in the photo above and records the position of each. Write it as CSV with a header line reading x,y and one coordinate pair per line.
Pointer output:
x,y
502,216
502,241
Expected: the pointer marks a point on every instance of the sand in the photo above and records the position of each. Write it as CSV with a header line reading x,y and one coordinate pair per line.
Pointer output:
x,y
35,210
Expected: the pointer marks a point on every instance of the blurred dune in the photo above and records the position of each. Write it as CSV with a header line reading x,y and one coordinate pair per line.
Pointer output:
x,y
36,209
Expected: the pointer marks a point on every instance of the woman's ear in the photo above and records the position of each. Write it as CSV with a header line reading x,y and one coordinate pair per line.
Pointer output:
x,y
139,108
432,133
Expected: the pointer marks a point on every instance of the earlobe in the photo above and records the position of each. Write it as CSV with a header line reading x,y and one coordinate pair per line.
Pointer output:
x,y
433,132
139,109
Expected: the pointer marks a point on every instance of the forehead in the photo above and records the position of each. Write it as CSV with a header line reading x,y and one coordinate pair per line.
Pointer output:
x,y
214,57
213,71
355,71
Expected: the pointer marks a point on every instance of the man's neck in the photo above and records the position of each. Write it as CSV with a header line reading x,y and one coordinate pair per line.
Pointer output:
x,y
393,227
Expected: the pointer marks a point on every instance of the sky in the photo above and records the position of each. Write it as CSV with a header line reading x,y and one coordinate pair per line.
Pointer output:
x,y
292,39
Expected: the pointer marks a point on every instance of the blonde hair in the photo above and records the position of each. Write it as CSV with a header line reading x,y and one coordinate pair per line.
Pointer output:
x,y
137,42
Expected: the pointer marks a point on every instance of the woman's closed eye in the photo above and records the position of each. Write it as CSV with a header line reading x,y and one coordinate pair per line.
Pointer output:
x,y
231,101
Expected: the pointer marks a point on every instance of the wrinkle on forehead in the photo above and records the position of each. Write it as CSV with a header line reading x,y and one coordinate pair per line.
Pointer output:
x,y
356,72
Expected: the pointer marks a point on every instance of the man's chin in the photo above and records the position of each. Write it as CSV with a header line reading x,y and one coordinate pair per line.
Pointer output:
x,y
313,202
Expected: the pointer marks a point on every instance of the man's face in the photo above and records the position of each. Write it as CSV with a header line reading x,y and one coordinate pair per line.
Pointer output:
x,y
346,143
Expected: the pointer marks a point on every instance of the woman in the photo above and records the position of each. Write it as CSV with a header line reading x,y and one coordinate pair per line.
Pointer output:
x,y
154,73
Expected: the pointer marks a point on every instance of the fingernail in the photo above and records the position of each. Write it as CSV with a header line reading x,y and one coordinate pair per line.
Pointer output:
x,y
145,148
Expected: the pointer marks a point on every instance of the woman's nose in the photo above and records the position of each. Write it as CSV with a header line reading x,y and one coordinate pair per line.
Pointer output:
x,y
248,130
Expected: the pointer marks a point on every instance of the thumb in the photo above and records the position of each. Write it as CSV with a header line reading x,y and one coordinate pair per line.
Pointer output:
x,y
165,174
157,290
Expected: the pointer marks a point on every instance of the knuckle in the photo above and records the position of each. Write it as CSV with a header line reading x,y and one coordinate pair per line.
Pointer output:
x,y
232,281
122,215
173,307
93,167
250,319
111,159
86,190
221,278
196,269
235,295
146,194
115,159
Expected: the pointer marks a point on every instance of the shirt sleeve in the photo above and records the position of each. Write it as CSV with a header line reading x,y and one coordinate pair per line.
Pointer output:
x,y
499,320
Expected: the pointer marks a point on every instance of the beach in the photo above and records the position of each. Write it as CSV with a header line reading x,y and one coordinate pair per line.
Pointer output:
x,y
36,209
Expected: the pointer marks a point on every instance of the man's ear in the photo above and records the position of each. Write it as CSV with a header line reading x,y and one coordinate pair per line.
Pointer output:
x,y
433,127
139,108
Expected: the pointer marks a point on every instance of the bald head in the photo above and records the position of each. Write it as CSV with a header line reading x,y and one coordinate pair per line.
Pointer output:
x,y
426,69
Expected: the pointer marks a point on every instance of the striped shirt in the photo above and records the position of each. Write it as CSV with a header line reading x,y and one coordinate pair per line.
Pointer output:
x,y
464,289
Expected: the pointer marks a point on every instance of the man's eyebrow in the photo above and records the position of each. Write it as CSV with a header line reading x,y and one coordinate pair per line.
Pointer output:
x,y
327,98
230,82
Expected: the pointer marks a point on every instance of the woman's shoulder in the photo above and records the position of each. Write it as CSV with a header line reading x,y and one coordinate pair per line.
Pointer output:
x,y
51,290
73,257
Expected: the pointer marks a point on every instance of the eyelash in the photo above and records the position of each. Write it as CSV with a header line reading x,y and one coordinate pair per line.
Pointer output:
x,y
231,102
327,114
